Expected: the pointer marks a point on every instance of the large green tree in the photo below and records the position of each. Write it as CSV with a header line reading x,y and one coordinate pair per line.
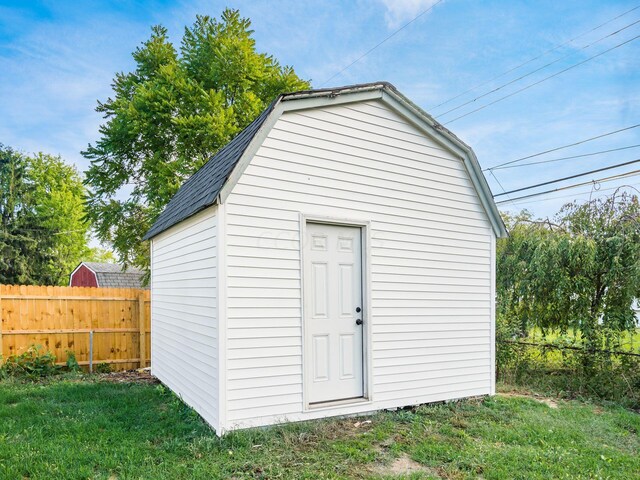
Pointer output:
x,y
20,231
579,272
43,232
169,116
58,195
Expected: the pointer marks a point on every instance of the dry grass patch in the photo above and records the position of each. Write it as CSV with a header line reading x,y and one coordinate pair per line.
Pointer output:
x,y
403,466
549,402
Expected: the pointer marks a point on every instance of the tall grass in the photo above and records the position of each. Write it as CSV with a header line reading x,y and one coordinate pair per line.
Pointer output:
x,y
572,372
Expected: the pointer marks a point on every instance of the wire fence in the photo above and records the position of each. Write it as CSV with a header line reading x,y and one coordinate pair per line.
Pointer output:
x,y
570,347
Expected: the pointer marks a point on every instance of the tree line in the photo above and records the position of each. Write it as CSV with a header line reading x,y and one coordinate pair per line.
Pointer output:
x,y
578,272
43,230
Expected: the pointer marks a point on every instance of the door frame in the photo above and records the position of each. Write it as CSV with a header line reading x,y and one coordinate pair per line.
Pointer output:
x,y
367,346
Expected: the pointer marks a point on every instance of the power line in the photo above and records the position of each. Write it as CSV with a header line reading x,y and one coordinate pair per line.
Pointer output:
x,y
567,158
593,182
500,87
600,180
543,80
383,41
571,177
532,59
495,167
559,197
499,183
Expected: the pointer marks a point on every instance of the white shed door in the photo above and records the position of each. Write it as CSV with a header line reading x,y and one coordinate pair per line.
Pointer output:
x,y
333,312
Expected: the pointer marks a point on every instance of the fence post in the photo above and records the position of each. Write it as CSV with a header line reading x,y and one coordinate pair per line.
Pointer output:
x,y
143,330
90,351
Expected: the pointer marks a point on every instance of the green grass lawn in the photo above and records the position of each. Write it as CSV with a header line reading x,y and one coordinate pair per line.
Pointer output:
x,y
82,428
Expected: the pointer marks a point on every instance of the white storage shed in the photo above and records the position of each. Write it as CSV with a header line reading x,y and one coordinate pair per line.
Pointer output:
x,y
337,257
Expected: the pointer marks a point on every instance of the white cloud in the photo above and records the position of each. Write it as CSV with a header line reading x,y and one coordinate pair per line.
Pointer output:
x,y
402,11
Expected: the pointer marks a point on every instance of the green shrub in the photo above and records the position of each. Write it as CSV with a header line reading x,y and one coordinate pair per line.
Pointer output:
x,y
103,368
35,362
72,362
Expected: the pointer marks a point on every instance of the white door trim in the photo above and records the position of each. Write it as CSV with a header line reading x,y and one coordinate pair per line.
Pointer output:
x,y
367,346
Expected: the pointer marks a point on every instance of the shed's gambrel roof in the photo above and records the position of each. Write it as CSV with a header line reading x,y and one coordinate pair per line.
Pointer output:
x,y
113,275
202,188
207,186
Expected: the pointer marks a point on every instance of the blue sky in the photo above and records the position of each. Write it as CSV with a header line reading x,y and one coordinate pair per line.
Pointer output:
x,y
58,59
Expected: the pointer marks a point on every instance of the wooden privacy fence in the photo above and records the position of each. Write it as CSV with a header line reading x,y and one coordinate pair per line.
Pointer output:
x,y
99,325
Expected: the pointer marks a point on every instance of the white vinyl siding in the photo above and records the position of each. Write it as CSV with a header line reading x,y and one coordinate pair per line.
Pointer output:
x,y
430,259
184,320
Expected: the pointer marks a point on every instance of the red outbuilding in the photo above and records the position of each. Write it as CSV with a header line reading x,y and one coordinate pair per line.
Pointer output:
x,y
105,275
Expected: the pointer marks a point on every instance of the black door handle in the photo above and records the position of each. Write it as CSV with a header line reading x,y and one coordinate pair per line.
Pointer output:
x,y
359,321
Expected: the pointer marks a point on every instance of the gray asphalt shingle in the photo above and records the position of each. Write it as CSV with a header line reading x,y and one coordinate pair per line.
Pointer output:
x,y
203,187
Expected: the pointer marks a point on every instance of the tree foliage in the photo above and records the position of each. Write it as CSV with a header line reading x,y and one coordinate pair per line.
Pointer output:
x,y
169,116
580,272
20,231
43,233
58,196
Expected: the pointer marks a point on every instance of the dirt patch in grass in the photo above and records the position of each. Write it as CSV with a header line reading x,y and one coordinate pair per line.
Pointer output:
x,y
129,376
404,465
549,402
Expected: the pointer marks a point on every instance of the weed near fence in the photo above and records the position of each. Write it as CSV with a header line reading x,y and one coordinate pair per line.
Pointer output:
x,y
571,371
34,363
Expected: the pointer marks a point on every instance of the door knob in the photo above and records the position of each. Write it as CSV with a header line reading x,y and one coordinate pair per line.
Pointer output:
x,y
359,321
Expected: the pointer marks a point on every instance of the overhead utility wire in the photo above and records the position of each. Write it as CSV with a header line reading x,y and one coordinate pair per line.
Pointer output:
x,y
532,59
600,180
424,12
590,139
500,87
499,183
543,80
591,154
570,177
571,195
